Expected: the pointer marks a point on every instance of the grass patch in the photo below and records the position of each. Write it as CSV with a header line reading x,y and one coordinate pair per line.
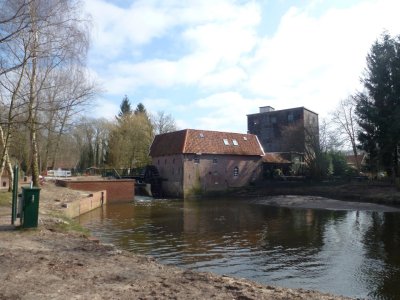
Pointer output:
x,y
66,224
5,198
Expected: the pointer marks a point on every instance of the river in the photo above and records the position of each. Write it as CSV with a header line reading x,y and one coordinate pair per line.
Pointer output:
x,y
344,252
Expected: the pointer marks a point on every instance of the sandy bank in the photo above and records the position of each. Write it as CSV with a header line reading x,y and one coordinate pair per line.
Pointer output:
x,y
315,202
51,265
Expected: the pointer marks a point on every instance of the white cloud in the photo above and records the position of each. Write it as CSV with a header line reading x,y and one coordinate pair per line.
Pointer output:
x,y
105,108
226,111
316,61
153,105
310,60
215,34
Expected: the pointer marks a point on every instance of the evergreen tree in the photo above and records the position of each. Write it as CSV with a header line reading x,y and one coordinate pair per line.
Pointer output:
x,y
140,109
378,107
125,108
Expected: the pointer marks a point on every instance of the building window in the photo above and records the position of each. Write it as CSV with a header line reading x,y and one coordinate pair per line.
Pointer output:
x,y
273,120
215,160
290,117
235,142
196,160
226,142
236,171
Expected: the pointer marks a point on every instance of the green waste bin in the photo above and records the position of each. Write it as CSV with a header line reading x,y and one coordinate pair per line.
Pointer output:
x,y
30,207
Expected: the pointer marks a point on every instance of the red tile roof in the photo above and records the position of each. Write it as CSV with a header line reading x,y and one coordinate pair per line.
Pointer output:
x,y
352,159
275,158
205,142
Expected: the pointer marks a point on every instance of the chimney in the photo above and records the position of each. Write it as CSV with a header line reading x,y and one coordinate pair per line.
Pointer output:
x,y
264,109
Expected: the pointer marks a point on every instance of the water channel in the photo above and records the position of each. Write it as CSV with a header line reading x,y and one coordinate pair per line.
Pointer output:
x,y
351,253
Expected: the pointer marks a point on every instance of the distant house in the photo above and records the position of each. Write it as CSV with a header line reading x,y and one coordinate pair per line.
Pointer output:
x,y
193,162
356,161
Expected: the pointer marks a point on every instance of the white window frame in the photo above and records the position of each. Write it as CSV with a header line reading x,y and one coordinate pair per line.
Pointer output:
x,y
236,171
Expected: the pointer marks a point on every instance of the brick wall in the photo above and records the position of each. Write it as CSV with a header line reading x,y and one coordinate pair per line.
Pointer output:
x,y
184,177
117,190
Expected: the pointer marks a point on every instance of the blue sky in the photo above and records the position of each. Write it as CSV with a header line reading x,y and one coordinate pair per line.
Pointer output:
x,y
208,63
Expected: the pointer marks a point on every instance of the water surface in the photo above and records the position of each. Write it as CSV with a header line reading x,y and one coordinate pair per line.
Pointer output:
x,y
351,253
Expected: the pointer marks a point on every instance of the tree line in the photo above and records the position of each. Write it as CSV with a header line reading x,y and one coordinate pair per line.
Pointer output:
x,y
367,121
44,88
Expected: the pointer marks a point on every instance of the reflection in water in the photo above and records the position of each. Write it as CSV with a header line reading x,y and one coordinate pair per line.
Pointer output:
x,y
348,253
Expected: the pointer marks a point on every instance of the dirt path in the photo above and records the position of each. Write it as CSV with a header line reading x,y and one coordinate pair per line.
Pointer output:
x,y
49,263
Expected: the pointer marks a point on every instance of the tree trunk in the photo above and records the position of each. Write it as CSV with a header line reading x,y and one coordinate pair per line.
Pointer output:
x,y
355,152
58,139
33,100
5,160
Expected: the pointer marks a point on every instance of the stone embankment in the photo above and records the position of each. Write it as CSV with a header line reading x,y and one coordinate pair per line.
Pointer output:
x,y
54,262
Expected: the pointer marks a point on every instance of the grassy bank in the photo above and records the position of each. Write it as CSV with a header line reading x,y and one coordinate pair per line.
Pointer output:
x,y
62,223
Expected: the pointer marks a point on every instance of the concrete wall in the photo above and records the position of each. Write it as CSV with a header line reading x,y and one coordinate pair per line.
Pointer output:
x,y
117,190
84,205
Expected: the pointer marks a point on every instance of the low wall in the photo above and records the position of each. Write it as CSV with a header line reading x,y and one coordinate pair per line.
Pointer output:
x,y
117,190
80,206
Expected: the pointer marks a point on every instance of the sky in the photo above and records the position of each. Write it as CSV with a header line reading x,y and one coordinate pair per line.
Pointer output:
x,y
209,63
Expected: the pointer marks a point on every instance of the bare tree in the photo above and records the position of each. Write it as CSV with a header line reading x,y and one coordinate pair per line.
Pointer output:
x,y
306,141
14,19
346,126
57,38
70,92
163,123
43,45
91,139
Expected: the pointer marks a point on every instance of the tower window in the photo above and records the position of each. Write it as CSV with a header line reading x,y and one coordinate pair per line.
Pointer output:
x,y
236,171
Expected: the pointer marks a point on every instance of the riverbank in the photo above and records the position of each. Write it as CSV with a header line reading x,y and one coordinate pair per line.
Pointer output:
x,y
57,262
365,192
